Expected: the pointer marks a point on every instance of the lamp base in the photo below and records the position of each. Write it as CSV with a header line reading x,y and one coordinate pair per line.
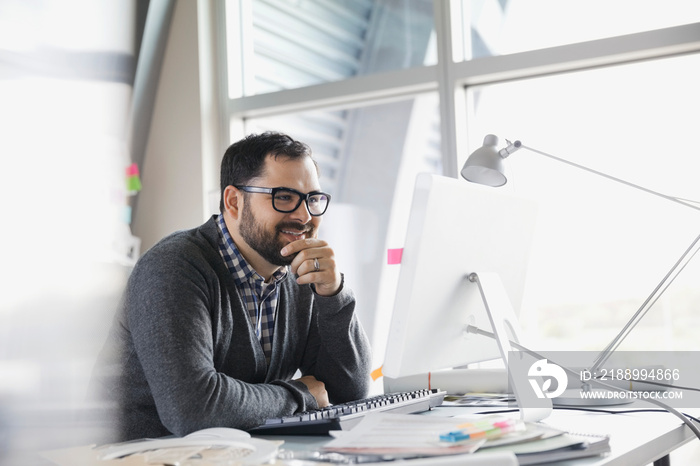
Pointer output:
x,y
593,397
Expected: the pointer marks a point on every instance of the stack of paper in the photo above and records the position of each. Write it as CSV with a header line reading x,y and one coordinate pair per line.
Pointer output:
x,y
400,436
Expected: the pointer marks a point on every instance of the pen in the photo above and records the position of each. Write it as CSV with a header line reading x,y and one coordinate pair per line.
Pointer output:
x,y
486,430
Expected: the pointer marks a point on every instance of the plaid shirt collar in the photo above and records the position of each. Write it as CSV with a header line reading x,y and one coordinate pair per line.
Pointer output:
x,y
260,298
242,272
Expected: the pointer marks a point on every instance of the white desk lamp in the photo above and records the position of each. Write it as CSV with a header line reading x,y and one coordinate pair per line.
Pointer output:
x,y
486,166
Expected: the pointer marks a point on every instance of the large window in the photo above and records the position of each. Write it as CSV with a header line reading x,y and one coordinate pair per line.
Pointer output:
x,y
602,247
605,84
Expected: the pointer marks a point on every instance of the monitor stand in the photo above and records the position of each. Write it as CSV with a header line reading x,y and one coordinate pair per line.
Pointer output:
x,y
502,318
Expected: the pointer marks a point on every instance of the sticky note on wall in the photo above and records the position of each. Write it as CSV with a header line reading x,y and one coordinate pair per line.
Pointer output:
x,y
394,256
132,170
133,181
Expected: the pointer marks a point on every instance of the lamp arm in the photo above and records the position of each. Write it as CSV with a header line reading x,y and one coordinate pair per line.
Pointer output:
x,y
517,145
668,278
677,268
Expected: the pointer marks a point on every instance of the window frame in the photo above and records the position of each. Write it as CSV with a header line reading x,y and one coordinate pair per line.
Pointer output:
x,y
448,77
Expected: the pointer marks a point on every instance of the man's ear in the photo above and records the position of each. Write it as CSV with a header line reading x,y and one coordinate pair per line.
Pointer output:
x,y
232,201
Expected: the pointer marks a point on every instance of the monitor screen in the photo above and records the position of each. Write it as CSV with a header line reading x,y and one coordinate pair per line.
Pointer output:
x,y
455,228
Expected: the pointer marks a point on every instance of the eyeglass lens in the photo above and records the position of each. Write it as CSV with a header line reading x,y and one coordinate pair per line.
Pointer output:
x,y
288,201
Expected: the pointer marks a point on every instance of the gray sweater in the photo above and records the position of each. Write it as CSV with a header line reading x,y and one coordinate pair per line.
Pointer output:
x,y
182,354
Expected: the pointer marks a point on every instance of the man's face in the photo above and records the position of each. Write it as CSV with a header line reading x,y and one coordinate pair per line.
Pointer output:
x,y
266,230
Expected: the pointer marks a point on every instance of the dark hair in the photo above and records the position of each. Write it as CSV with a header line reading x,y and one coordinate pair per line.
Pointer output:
x,y
245,159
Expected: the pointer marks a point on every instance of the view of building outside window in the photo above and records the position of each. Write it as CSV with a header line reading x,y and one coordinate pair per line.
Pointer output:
x,y
369,166
276,45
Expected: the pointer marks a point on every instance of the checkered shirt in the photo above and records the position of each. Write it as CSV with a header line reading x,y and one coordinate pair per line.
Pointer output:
x,y
260,297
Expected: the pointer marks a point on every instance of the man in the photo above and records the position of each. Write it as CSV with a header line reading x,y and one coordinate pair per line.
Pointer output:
x,y
216,320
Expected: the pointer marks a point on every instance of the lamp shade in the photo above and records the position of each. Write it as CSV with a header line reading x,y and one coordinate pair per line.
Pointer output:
x,y
485,165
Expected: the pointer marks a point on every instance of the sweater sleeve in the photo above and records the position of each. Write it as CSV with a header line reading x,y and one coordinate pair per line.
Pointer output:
x,y
338,351
184,332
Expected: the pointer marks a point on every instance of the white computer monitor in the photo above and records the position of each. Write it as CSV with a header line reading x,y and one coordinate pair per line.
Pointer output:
x,y
456,228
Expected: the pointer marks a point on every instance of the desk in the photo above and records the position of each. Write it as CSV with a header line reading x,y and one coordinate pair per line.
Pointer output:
x,y
635,439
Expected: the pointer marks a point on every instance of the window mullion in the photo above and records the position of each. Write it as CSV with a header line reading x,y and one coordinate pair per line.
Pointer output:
x,y
584,55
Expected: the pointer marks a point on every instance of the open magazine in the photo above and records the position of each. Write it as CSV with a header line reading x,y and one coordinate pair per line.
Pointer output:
x,y
211,446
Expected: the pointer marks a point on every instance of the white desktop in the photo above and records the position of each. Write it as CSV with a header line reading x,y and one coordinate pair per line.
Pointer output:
x,y
457,229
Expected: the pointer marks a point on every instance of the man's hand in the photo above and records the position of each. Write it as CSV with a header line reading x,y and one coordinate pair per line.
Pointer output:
x,y
314,263
317,389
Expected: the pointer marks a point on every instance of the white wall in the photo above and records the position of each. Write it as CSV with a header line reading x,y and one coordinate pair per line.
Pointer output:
x,y
172,196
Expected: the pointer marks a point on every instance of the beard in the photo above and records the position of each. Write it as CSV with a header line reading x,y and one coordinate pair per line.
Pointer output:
x,y
268,243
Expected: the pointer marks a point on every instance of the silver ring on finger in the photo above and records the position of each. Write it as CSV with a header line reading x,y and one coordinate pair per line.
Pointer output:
x,y
317,266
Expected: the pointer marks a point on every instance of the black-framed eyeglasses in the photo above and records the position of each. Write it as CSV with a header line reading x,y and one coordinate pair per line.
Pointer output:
x,y
287,200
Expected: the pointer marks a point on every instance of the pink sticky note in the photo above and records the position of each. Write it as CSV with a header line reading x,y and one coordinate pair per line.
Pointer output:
x,y
132,170
394,256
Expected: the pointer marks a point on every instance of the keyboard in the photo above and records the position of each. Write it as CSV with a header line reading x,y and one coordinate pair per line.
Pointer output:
x,y
346,415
